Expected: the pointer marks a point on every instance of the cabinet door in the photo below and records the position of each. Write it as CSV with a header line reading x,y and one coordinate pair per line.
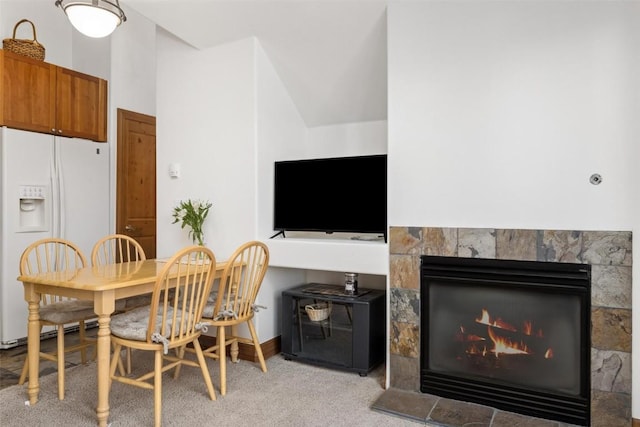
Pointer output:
x,y
81,105
27,93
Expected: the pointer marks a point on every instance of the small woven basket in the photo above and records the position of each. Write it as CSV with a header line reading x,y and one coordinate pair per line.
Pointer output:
x,y
318,312
25,47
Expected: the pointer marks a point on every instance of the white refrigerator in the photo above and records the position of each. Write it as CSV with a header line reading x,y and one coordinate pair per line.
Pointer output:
x,y
50,187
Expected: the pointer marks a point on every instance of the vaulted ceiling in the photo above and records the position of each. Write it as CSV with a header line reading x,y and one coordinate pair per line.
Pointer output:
x,y
330,54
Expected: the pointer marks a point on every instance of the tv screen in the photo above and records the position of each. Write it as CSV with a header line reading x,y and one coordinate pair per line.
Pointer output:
x,y
339,194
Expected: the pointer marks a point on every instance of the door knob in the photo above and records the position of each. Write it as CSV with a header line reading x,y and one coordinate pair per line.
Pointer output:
x,y
129,227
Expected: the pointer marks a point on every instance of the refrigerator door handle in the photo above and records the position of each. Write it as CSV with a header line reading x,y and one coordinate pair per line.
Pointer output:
x,y
61,195
55,200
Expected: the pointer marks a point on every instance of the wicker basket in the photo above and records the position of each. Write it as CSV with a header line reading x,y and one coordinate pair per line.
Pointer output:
x,y
30,48
318,312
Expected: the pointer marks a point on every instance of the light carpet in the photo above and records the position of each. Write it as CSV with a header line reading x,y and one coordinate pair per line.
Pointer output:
x,y
290,394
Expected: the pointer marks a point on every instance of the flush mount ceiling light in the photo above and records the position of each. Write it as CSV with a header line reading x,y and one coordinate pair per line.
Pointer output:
x,y
93,18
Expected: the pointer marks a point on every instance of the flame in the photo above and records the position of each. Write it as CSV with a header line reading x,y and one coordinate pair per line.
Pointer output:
x,y
485,319
501,345
506,346
473,350
462,337
527,329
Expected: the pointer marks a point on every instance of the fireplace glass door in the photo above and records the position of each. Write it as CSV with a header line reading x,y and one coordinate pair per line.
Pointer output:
x,y
509,334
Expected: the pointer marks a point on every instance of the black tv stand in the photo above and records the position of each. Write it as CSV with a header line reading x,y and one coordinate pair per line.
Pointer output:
x,y
351,337
277,234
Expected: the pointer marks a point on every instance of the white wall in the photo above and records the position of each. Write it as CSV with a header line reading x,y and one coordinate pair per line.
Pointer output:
x,y
349,139
126,59
206,123
336,252
282,135
64,46
133,67
52,28
279,132
506,108
132,80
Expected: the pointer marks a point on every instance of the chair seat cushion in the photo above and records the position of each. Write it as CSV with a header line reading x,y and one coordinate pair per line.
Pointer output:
x,y
213,296
208,310
207,313
67,311
133,324
210,305
133,302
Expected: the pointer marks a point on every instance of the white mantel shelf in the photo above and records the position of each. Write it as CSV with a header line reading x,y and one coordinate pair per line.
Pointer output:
x,y
366,257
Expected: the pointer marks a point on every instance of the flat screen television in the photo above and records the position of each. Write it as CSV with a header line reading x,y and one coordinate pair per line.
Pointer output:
x,y
338,194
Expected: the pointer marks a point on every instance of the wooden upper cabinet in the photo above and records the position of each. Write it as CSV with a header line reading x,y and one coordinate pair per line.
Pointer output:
x,y
42,97
28,93
81,105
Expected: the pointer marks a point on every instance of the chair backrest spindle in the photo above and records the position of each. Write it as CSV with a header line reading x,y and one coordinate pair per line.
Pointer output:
x,y
241,280
51,255
180,294
116,248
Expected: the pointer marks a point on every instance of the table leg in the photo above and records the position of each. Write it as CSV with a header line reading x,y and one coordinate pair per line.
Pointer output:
x,y
104,305
33,343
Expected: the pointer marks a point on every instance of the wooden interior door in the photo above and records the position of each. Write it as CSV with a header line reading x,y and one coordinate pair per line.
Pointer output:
x,y
136,179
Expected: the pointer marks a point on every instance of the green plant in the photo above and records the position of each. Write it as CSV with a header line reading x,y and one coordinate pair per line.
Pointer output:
x,y
192,213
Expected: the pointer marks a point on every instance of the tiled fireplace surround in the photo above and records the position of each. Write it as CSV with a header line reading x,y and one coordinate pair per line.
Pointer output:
x,y
608,252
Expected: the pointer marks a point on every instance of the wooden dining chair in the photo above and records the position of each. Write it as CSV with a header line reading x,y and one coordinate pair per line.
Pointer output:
x,y
234,303
50,255
171,322
118,248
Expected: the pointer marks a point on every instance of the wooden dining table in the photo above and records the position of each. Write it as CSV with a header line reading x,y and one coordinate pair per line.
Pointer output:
x,y
103,285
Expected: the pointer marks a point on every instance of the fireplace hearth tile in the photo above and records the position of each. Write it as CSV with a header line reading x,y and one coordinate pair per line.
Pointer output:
x,y
610,409
405,240
406,270
509,419
406,372
611,329
477,243
516,244
605,247
610,257
405,305
405,339
440,241
456,413
611,286
560,246
406,404
429,410
611,371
